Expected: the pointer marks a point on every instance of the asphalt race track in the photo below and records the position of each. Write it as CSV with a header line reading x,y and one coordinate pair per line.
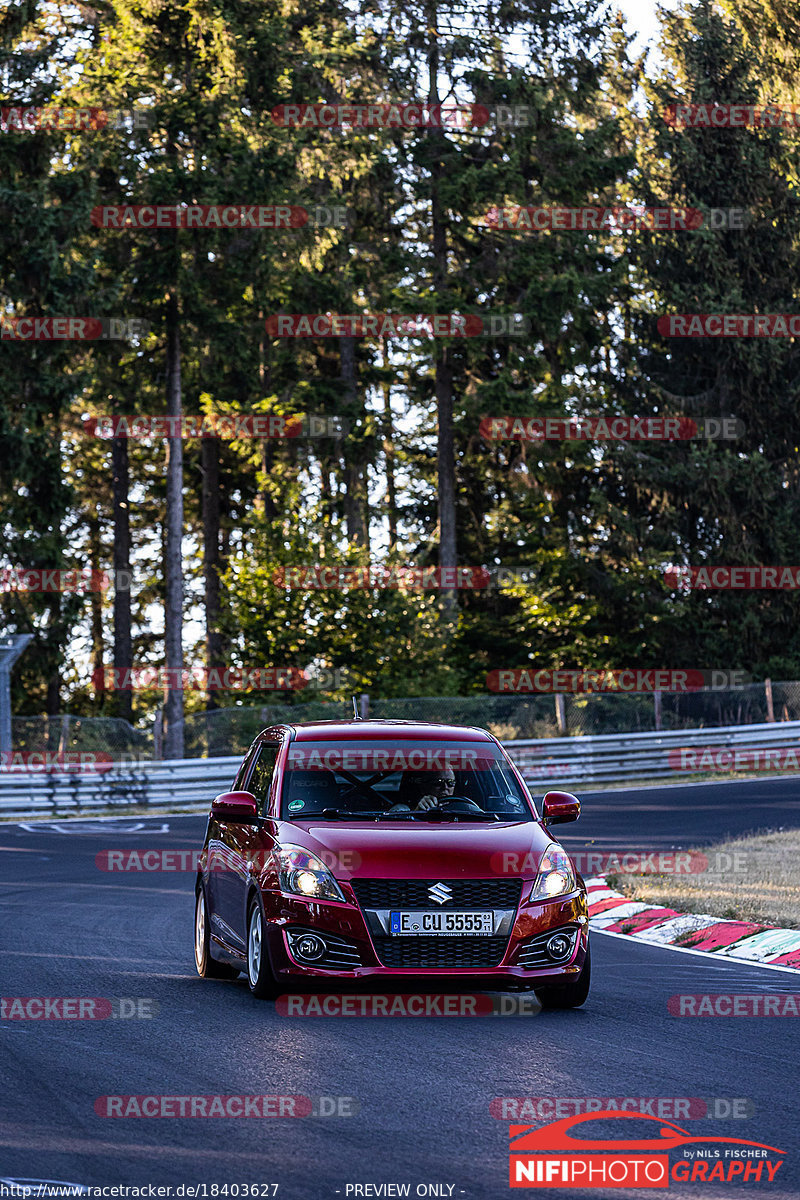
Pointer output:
x,y
422,1086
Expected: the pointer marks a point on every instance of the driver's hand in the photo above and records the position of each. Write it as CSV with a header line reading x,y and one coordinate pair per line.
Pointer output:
x,y
427,802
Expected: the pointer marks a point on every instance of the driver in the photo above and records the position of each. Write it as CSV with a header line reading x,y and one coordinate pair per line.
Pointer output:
x,y
424,790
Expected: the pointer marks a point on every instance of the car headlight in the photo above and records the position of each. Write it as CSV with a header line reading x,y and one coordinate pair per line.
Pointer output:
x,y
303,874
556,876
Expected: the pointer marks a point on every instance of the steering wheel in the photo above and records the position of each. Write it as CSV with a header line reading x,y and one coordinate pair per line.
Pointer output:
x,y
461,803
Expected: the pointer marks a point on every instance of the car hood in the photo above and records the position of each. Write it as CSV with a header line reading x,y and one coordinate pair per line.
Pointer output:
x,y
417,851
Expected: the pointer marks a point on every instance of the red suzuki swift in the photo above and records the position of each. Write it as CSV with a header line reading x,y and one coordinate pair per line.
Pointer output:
x,y
394,851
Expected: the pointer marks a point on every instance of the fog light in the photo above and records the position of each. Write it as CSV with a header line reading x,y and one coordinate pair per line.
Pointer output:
x,y
308,946
560,946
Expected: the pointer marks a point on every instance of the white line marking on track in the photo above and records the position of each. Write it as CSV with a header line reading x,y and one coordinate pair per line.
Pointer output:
x,y
666,782
708,955
79,825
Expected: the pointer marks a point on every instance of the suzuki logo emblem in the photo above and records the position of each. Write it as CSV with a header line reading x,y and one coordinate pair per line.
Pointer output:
x,y
440,892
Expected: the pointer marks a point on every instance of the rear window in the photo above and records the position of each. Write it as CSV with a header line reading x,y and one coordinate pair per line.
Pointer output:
x,y
395,779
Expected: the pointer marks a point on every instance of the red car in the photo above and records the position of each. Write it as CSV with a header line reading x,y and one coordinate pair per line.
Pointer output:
x,y
389,852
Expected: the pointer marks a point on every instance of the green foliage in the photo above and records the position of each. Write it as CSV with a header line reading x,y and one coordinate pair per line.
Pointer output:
x,y
597,522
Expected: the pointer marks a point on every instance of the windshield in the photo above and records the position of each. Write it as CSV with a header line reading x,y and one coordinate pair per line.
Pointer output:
x,y
401,779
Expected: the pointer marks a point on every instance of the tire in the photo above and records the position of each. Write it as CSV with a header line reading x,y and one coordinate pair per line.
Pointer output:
x,y
260,979
207,967
568,995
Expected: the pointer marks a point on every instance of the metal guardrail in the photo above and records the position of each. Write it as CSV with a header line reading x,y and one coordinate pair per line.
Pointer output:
x,y
613,758
576,762
50,793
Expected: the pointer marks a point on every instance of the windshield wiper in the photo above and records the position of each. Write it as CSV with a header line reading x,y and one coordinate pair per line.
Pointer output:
x,y
435,816
432,814
345,814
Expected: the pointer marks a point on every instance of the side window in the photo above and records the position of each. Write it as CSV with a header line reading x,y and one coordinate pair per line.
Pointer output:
x,y
238,783
262,774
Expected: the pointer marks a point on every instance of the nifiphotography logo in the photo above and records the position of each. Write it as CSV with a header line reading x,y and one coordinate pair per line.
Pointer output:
x,y
552,1156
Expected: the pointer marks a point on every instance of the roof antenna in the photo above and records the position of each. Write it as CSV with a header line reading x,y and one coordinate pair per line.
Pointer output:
x,y
356,714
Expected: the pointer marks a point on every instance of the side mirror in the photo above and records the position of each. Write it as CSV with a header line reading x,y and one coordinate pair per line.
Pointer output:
x,y
559,807
241,807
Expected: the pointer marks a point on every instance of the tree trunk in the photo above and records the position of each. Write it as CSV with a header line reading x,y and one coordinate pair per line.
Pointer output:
x,y
445,447
96,601
355,496
325,492
54,635
123,645
173,565
445,461
388,454
211,557
264,502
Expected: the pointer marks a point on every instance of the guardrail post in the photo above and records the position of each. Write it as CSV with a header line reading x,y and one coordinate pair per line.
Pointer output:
x,y
158,736
10,650
561,715
768,692
657,709
63,736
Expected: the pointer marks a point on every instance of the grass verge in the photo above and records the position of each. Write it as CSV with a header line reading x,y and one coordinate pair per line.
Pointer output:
x,y
753,878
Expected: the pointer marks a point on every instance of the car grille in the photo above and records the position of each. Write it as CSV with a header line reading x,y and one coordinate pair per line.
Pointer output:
x,y
342,954
413,893
440,952
534,954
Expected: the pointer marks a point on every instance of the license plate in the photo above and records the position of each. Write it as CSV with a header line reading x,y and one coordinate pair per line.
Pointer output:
x,y
442,924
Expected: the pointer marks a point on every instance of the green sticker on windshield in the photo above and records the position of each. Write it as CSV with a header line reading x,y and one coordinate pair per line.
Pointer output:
x,y
296,805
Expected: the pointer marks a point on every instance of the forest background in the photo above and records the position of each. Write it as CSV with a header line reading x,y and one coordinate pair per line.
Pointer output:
x,y
203,527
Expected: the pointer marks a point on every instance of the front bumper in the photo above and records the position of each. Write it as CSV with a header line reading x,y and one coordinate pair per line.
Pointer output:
x,y
363,951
